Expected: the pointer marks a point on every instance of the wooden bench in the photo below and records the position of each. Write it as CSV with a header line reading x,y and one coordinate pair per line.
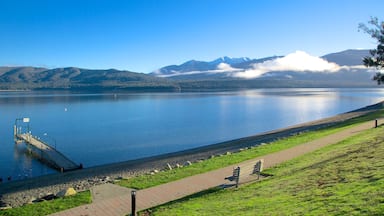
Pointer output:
x,y
235,176
258,168
248,172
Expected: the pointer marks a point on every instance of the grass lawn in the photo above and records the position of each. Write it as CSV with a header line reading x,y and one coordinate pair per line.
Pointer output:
x,y
49,207
342,179
145,181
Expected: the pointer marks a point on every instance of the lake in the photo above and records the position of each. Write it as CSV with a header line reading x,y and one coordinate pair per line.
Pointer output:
x,y
96,129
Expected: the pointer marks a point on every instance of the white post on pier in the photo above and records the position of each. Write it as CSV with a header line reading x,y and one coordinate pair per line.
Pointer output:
x,y
17,130
27,120
15,133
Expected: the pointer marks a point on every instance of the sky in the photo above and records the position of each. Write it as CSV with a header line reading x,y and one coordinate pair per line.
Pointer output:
x,y
145,35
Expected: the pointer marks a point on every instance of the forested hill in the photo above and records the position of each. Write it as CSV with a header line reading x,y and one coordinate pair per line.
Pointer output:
x,y
31,78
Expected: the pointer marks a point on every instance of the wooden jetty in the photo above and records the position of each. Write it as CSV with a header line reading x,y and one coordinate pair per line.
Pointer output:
x,y
45,152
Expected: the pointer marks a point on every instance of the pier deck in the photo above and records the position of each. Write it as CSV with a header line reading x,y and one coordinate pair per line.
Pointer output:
x,y
48,154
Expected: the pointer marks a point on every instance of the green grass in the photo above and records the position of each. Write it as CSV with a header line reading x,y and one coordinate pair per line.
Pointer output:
x,y
49,207
145,181
342,179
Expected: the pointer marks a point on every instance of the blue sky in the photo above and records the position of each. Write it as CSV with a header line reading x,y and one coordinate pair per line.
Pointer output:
x,y
144,35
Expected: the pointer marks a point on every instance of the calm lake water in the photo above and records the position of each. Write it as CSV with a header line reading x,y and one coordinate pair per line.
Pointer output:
x,y
95,129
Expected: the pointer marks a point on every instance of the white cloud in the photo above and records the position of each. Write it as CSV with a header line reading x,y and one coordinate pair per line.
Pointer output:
x,y
225,67
221,68
298,61
157,72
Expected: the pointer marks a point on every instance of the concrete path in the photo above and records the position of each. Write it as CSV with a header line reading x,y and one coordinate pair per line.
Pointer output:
x,y
106,191
120,203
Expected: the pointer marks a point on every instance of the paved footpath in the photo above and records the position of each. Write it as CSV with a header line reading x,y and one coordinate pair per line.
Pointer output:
x,y
120,203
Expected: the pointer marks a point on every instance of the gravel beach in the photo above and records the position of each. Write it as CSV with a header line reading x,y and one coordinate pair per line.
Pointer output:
x,y
17,193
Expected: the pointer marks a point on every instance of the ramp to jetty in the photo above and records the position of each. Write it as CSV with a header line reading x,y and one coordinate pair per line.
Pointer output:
x,y
47,153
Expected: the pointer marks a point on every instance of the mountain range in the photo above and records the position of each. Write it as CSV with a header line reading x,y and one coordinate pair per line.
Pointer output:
x,y
225,66
201,66
298,69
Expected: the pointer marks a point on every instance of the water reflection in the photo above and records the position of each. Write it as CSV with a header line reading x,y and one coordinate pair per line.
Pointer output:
x,y
22,162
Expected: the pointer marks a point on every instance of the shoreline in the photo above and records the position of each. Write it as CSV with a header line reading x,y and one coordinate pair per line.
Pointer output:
x,y
20,192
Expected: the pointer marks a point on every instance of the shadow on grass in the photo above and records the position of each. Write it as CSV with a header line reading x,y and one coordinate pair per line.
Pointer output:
x,y
196,195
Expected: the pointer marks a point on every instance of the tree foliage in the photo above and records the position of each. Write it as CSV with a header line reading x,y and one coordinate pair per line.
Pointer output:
x,y
376,31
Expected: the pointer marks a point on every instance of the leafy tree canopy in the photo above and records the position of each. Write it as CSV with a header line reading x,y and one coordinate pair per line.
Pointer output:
x,y
376,30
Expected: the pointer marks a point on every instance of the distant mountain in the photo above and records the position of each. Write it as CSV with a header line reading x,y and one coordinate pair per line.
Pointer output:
x,y
299,69
348,57
191,65
249,64
194,65
201,70
77,78
230,61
